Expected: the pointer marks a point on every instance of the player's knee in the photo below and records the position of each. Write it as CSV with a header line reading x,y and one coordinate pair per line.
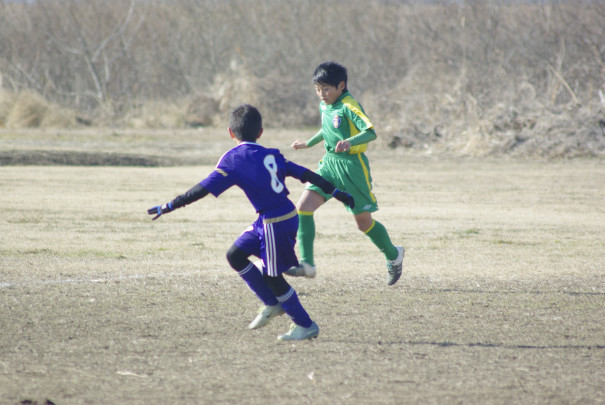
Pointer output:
x,y
301,205
364,227
237,258
310,201
278,285
364,222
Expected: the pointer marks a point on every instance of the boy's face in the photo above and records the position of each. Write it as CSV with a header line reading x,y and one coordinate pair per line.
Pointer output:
x,y
328,93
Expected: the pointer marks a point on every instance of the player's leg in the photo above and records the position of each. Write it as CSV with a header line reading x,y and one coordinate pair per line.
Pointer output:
x,y
238,259
378,234
288,298
279,255
246,245
308,203
356,177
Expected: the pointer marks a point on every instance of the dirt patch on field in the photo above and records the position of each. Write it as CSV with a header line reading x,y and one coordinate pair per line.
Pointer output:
x,y
74,158
112,147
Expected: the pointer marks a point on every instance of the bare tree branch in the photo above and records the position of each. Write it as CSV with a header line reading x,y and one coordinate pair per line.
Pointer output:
x,y
119,31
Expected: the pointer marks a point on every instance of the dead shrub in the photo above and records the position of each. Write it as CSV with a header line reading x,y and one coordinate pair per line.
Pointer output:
x,y
156,114
201,111
58,117
7,99
28,111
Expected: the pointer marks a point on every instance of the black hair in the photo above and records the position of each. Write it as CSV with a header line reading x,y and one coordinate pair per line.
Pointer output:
x,y
245,122
330,73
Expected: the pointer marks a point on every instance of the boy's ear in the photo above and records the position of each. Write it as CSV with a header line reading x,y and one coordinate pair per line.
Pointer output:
x,y
231,133
341,86
260,133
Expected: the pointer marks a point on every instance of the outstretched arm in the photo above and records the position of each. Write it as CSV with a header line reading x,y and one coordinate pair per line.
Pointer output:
x,y
328,187
195,193
298,144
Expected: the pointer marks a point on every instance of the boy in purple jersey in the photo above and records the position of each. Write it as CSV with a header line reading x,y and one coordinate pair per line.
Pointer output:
x,y
261,172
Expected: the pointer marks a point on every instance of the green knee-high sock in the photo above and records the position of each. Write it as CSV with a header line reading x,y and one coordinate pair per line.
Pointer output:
x,y
380,237
306,236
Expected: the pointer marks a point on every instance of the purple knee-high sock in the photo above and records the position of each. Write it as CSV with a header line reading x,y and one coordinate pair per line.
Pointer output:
x,y
291,304
254,279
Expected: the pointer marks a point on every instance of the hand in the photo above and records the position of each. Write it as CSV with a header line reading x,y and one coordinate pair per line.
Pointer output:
x,y
342,146
158,210
297,144
344,197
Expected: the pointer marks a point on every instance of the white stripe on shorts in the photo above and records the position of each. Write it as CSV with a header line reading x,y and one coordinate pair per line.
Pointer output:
x,y
271,250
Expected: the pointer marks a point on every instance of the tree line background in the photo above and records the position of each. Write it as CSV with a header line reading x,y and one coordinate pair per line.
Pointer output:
x,y
475,77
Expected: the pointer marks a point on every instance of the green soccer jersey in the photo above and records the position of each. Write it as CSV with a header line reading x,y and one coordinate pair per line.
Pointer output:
x,y
349,171
345,119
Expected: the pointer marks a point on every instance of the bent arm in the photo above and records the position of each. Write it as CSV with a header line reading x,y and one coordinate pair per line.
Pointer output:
x,y
365,136
306,175
318,181
328,188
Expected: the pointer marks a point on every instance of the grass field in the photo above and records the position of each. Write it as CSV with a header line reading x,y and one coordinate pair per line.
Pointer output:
x,y
502,299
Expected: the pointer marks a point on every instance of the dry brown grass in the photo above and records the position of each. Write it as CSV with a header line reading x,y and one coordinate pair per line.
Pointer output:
x,y
30,110
478,78
502,298
7,100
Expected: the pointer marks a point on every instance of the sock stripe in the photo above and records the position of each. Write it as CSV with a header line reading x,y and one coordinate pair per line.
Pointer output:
x,y
246,269
286,296
371,227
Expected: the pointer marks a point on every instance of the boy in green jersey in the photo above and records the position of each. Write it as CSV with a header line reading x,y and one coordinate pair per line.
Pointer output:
x,y
346,131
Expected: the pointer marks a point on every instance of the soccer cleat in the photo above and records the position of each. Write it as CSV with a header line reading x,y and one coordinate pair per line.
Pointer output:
x,y
297,332
265,314
302,270
394,267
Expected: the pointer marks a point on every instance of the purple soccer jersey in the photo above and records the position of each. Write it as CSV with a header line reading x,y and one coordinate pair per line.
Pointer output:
x,y
260,172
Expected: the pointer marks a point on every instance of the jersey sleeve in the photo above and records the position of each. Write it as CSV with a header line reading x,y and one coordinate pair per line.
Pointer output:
x,y
363,137
315,139
192,195
217,182
354,112
294,170
221,178
305,175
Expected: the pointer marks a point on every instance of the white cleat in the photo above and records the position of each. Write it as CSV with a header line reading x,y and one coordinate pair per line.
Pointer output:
x,y
302,270
395,267
265,314
297,332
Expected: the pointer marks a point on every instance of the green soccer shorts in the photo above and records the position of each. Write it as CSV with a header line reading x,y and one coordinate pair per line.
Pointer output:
x,y
350,173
